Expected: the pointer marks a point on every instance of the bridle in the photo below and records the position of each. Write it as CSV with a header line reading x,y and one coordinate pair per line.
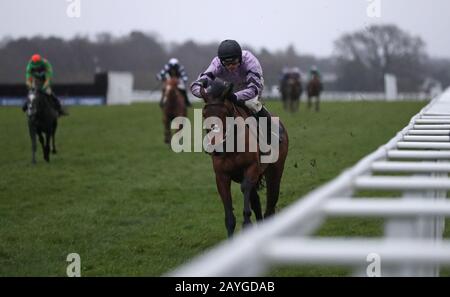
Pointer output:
x,y
227,130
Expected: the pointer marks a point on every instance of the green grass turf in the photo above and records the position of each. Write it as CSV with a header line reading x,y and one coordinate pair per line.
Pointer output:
x,y
129,206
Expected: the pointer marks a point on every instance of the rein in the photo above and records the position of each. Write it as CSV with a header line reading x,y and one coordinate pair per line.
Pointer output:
x,y
236,114
222,142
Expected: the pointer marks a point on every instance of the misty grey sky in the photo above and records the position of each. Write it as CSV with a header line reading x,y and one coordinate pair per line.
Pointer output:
x,y
311,26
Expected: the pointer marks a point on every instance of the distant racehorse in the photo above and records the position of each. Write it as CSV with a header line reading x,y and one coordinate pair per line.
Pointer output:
x,y
173,105
42,120
291,92
314,90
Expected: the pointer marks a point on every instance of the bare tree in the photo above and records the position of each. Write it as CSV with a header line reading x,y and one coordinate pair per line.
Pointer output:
x,y
377,50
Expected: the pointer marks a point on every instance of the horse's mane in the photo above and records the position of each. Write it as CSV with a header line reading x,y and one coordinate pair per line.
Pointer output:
x,y
217,87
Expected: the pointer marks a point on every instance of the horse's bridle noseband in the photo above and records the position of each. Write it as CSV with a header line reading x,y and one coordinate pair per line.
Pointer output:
x,y
229,114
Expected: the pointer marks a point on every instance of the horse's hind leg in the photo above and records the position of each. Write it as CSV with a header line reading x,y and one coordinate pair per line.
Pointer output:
x,y
285,107
54,151
255,203
273,180
53,134
248,185
317,103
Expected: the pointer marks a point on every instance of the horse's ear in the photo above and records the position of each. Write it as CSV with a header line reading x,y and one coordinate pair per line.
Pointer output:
x,y
203,93
228,90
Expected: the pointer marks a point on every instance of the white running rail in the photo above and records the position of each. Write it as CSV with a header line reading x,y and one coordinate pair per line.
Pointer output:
x,y
413,243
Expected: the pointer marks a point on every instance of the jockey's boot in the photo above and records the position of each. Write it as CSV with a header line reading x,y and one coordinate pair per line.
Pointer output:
x,y
265,113
161,101
57,105
25,106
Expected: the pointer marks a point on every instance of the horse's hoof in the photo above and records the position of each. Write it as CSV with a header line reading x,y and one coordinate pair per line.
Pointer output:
x,y
268,215
54,152
246,224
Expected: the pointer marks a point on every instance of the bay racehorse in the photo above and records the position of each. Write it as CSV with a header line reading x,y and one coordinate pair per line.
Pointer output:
x,y
314,90
173,105
42,120
243,167
291,93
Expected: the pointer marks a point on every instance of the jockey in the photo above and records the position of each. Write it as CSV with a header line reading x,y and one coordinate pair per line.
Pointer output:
x,y
296,73
173,68
314,72
284,73
289,73
36,67
283,80
243,70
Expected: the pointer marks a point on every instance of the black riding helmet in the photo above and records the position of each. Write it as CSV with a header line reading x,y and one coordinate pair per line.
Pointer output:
x,y
229,49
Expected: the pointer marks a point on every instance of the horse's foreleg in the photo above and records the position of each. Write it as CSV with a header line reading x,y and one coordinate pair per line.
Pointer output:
x,y
300,98
166,129
47,147
295,104
247,187
317,103
32,132
223,183
309,102
41,140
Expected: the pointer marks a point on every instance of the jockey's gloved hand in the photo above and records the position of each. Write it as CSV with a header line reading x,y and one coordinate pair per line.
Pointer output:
x,y
203,82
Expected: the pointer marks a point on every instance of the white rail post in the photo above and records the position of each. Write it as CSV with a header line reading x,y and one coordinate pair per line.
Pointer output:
x,y
417,228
